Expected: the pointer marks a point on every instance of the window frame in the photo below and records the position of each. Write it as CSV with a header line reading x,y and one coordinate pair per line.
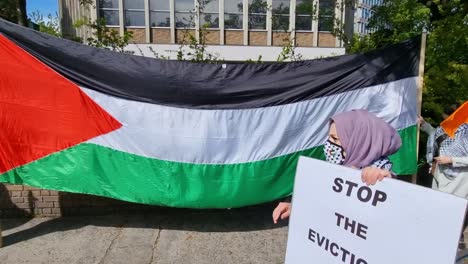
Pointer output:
x,y
142,11
109,9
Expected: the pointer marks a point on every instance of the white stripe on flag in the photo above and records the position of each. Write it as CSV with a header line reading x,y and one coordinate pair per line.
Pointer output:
x,y
245,135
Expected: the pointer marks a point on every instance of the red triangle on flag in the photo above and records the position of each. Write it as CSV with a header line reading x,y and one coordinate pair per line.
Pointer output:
x,y
41,112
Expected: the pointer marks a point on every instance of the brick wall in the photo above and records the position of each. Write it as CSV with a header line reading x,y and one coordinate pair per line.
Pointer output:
x,y
182,35
212,37
160,35
257,38
280,38
326,40
139,35
304,39
19,200
234,37
25,201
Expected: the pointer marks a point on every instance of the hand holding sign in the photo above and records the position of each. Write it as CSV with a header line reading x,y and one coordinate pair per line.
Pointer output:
x,y
282,211
371,175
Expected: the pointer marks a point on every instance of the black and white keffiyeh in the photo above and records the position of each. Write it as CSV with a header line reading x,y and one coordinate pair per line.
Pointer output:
x,y
452,147
383,163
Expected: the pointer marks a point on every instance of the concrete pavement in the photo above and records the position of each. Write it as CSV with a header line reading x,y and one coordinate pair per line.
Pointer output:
x,y
170,236
166,235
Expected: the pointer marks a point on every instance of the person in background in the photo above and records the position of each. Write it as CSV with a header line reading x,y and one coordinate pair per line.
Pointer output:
x,y
435,135
356,139
448,153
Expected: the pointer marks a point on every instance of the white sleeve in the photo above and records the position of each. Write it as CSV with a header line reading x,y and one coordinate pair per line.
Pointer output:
x,y
426,127
459,161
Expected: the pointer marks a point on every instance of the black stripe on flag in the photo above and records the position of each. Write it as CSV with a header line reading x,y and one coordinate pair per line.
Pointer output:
x,y
211,86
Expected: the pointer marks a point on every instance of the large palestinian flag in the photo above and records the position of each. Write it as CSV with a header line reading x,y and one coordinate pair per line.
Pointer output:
x,y
80,119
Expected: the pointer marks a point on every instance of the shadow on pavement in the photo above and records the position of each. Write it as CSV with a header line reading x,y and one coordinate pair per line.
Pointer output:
x,y
251,218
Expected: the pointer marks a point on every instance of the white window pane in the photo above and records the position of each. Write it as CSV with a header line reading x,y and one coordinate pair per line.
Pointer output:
x,y
134,4
211,6
258,6
209,20
280,6
185,20
108,3
232,21
257,21
184,5
327,7
111,17
280,22
160,19
304,22
327,13
135,18
325,24
233,6
304,7
159,4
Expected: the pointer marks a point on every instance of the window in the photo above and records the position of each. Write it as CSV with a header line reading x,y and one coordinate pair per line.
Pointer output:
x,y
257,14
280,11
109,10
326,15
134,13
233,14
159,13
185,13
304,11
209,14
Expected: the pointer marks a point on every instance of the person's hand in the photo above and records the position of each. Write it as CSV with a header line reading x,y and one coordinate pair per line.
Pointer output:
x,y
283,210
370,175
421,120
443,160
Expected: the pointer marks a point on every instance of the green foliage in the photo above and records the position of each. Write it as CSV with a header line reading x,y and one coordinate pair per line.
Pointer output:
x,y
50,25
104,37
288,52
397,20
361,44
8,10
446,61
156,55
197,48
198,52
258,60
446,72
14,11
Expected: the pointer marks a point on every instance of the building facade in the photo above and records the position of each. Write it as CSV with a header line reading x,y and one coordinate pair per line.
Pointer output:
x,y
362,15
269,24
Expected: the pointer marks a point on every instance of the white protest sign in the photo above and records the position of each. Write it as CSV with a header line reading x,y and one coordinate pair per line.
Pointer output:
x,y
338,219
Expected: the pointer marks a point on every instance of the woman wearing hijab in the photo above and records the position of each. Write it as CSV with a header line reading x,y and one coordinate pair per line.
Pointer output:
x,y
450,151
357,139
451,172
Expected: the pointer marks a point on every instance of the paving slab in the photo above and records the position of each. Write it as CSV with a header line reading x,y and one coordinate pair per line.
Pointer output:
x,y
169,236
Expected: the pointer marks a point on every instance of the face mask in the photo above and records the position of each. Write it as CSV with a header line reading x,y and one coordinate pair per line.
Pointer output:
x,y
334,153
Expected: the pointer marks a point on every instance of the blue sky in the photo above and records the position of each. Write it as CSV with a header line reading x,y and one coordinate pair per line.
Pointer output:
x,y
45,7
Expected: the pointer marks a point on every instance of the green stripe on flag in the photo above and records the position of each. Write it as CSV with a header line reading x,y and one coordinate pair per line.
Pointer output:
x,y
405,160
97,170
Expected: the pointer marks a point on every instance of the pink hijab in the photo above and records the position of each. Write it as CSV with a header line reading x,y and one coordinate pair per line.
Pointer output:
x,y
365,138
